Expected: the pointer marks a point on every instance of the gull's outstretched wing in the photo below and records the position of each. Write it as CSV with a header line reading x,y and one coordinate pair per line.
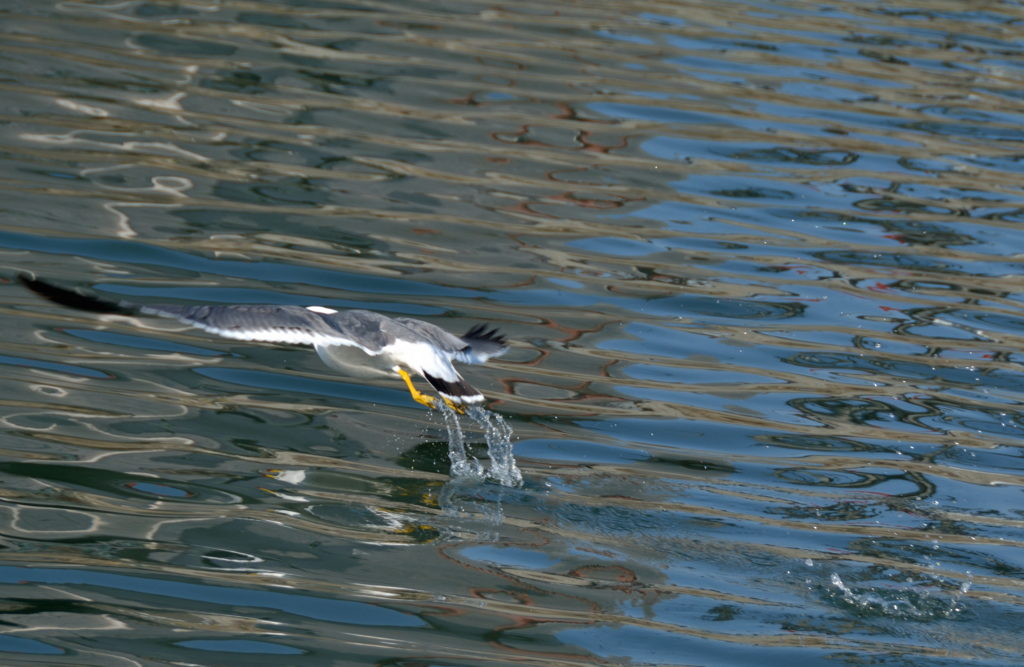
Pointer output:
x,y
294,325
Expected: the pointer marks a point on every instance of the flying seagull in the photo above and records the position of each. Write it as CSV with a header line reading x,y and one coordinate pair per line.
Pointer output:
x,y
359,343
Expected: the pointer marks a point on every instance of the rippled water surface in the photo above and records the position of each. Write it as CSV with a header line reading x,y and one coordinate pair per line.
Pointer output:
x,y
762,269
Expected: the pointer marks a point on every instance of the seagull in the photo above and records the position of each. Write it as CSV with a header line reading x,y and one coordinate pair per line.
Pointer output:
x,y
359,343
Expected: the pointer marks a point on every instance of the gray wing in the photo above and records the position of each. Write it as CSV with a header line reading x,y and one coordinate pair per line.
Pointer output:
x,y
476,347
427,332
294,325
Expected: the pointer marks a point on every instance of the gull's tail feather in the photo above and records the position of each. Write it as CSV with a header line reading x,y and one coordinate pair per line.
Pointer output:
x,y
72,299
457,392
482,344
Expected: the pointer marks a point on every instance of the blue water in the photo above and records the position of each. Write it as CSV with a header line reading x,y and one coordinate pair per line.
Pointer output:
x,y
759,267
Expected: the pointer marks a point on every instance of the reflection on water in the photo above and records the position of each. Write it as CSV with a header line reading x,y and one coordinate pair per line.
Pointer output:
x,y
758,261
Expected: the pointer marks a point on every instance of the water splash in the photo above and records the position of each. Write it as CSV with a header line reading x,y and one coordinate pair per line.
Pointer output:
x,y
498,435
464,464
911,600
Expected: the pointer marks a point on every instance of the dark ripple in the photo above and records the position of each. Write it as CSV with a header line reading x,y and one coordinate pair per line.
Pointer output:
x,y
891,260
966,377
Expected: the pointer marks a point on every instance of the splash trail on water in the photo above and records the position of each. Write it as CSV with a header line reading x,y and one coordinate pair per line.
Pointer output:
x,y
497,435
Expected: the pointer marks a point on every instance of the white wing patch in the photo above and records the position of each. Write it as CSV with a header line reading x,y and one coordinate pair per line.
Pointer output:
x,y
277,335
423,357
323,310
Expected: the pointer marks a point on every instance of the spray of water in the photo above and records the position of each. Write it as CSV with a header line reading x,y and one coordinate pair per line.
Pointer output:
x,y
913,600
463,463
470,508
497,434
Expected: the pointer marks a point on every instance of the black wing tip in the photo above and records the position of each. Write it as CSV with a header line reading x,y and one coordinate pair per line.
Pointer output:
x,y
480,334
457,392
72,299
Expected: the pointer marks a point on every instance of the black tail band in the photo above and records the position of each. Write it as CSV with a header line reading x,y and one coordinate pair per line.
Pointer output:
x,y
457,392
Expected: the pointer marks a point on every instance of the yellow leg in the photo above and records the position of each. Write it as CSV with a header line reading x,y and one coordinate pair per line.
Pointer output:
x,y
458,407
426,400
417,396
